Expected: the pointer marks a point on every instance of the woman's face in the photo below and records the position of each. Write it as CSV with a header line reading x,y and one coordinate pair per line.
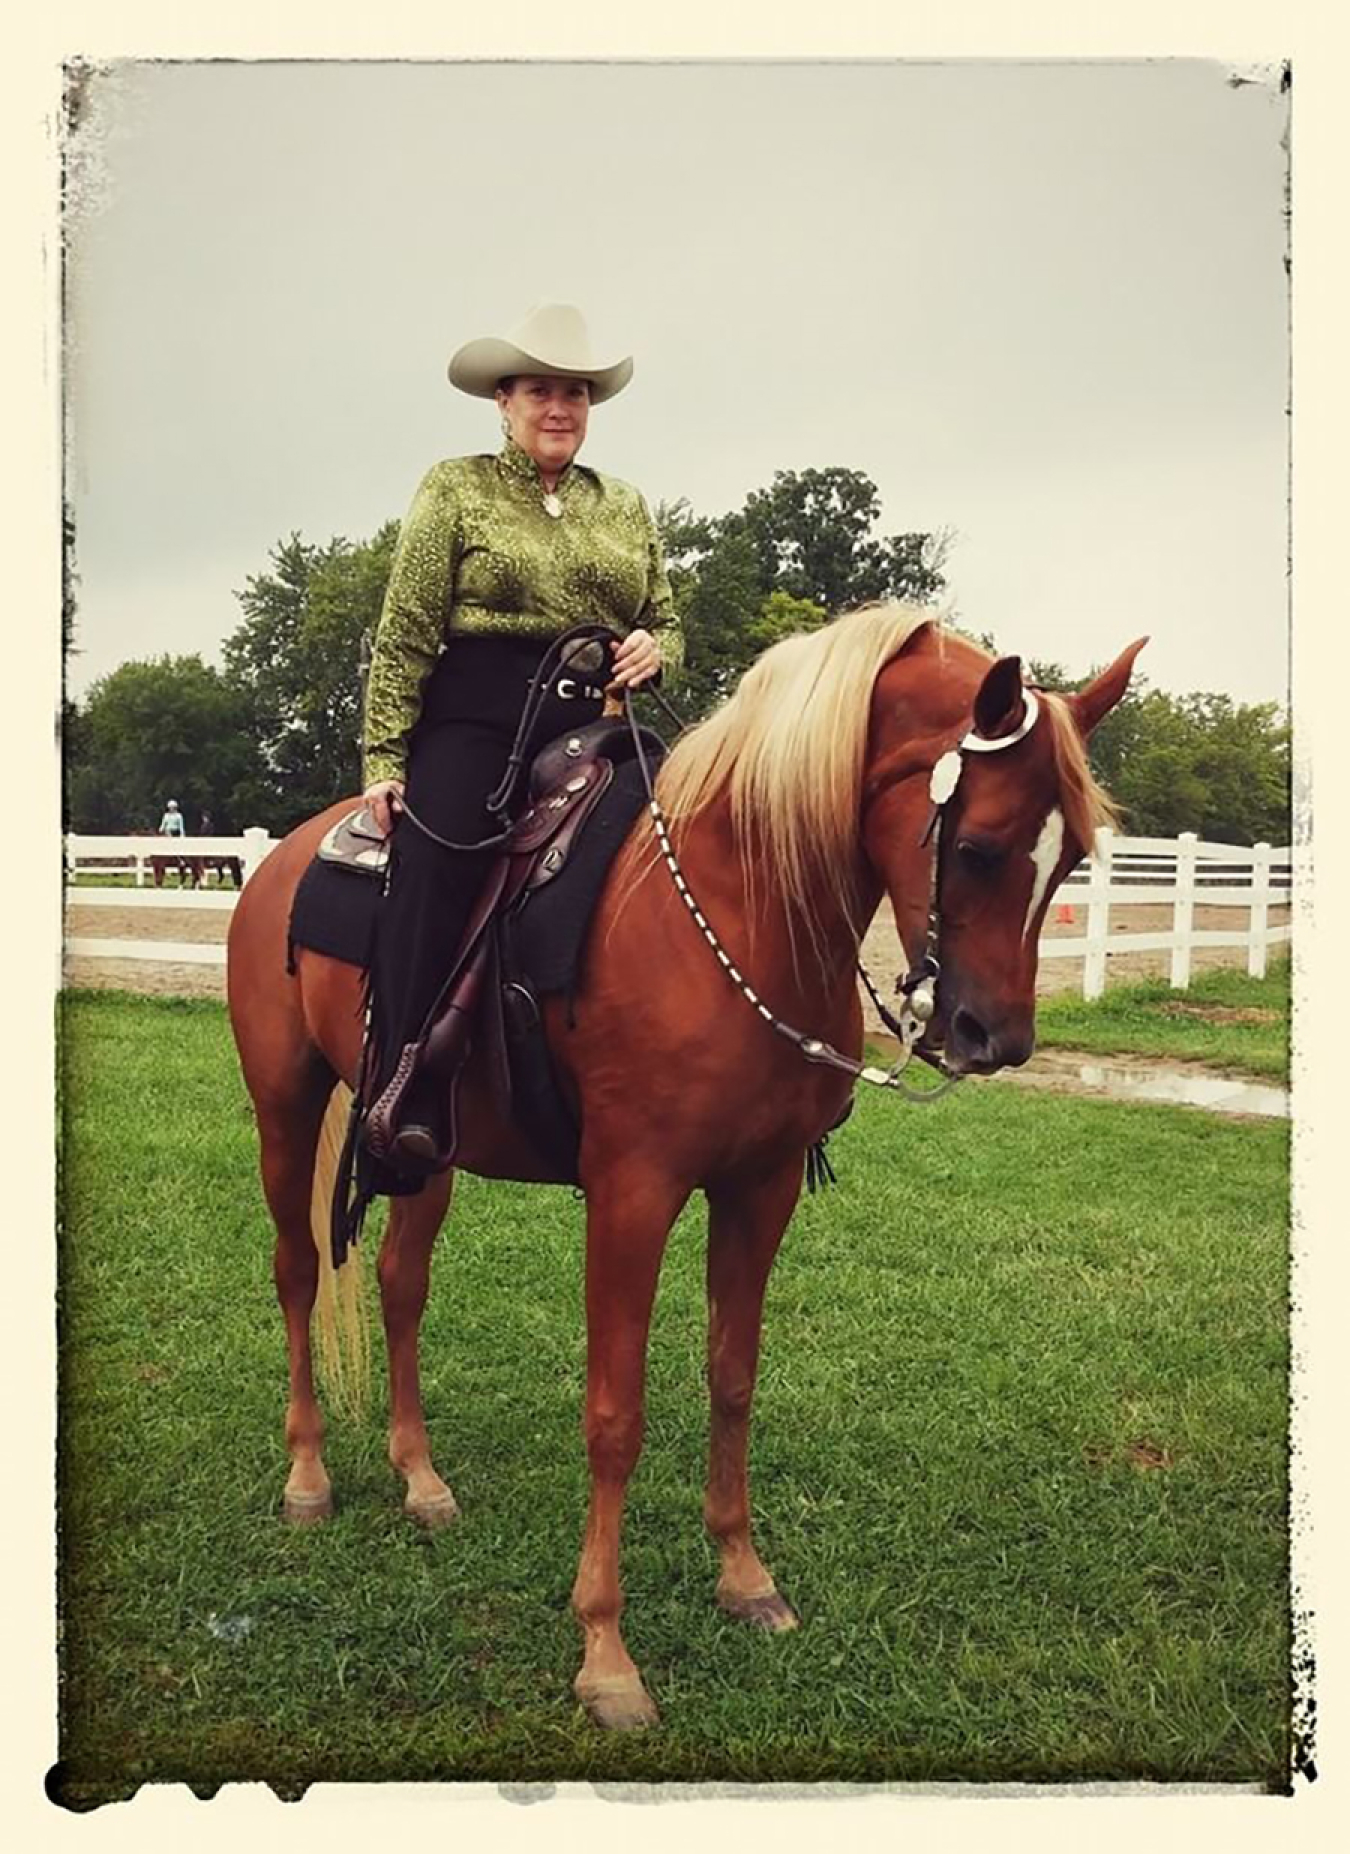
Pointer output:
x,y
547,416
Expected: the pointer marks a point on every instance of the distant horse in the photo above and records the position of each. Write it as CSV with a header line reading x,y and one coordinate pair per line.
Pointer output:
x,y
220,867
801,803
193,870
185,867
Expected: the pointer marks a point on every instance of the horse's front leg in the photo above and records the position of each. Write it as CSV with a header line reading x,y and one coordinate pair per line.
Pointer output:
x,y
746,1221
405,1276
628,1219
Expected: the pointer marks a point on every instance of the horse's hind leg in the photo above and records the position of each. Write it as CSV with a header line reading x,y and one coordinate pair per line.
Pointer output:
x,y
405,1272
745,1226
289,1130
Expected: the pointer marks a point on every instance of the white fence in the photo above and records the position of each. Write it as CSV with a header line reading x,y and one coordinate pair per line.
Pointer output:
x,y
1183,873
1177,872
134,856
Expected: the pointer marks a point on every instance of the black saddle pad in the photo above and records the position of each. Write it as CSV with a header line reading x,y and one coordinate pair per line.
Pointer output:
x,y
548,927
334,912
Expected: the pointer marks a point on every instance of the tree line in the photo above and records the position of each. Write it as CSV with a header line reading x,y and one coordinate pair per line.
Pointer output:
x,y
272,736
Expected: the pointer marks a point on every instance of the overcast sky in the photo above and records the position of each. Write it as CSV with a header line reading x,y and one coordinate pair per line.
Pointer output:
x,y
1041,305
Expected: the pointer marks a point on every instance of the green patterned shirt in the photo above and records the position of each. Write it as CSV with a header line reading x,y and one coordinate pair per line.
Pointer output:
x,y
479,554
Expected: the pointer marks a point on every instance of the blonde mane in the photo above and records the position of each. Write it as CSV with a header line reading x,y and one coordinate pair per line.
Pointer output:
x,y
805,704
788,747
1084,802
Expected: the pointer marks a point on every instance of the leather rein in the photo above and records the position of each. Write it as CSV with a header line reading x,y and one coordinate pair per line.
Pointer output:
x,y
580,648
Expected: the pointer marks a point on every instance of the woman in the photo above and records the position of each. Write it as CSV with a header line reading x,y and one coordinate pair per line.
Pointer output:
x,y
498,556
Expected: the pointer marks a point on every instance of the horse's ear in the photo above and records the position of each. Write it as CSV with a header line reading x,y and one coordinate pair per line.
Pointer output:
x,y
1000,705
1104,691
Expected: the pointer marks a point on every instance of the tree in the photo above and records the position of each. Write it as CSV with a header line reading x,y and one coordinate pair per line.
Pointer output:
x,y
685,537
1196,762
1241,754
72,734
166,728
813,533
779,616
792,556
719,604
296,662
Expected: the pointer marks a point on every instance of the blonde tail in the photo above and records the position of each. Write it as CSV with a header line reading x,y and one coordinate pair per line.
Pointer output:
x,y
341,1310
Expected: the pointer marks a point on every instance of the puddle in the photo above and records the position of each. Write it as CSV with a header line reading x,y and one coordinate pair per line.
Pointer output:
x,y
1222,1094
1136,1078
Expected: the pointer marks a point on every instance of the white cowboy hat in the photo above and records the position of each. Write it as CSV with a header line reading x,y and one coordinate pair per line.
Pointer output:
x,y
553,339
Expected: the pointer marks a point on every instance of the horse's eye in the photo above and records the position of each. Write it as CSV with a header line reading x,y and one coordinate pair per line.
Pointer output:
x,y
978,857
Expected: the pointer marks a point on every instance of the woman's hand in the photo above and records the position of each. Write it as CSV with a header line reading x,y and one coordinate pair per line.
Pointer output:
x,y
382,801
636,660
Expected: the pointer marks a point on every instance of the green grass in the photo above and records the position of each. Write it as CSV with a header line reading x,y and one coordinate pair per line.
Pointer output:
x,y
172,879
1019,1461
1225,1020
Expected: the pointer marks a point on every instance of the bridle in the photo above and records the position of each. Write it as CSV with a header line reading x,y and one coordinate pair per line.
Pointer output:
x,y
917,987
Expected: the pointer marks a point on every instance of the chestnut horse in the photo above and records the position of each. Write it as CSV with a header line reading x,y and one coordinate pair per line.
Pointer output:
x,y
794,809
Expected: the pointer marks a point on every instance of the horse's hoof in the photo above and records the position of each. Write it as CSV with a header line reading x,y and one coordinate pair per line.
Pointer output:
x,y
440,1510
306,1509
770,1611
617,1702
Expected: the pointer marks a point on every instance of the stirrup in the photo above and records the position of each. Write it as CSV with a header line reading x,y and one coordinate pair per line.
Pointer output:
x,y
378,1125
414,1148
399,1134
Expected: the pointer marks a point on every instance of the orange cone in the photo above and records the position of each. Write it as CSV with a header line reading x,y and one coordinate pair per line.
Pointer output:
x,y
1064,913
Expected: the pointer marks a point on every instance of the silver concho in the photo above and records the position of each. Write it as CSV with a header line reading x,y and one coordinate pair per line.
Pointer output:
x,y
946,777
922,1002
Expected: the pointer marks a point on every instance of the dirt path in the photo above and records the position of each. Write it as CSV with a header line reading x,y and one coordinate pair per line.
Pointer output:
x,y
193,927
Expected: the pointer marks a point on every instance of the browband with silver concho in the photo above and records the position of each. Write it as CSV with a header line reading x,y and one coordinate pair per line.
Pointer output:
x,y
918,986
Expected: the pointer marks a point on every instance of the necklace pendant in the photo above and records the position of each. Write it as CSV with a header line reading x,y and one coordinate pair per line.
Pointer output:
x,y
552,505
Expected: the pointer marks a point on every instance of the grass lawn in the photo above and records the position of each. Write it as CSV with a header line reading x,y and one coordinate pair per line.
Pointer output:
x,y
1225,1019
172,879
1019,1462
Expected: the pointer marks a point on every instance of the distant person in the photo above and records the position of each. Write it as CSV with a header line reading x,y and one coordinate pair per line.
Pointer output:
x,y
207,824
171,824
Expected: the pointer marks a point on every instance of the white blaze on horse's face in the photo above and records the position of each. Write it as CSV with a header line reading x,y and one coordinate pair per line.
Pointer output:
x,y
1044,858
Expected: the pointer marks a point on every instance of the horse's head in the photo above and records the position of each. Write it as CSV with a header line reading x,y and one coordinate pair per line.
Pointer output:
x,y
1020,815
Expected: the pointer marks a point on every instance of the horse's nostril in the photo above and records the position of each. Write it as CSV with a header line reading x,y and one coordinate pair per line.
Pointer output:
x,y
970,1031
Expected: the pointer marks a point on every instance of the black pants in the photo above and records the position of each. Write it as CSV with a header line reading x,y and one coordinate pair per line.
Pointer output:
x,y
471,709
